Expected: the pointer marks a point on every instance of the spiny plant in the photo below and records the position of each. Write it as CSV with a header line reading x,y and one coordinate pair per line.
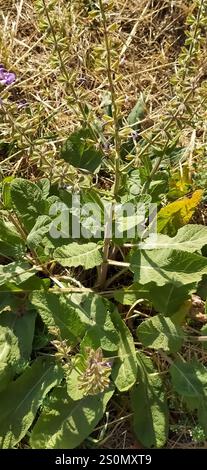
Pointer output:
x,y
93,309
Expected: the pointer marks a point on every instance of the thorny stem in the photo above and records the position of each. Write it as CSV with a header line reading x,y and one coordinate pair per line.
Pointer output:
x,y
20,229
153,140
66,74
113,100
103,270
165,129
188,58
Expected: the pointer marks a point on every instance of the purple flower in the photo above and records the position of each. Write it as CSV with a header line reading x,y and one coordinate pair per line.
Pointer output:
x,y
6,78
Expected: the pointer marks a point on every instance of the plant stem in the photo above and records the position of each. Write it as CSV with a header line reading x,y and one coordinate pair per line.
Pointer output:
x,y
113,100
66,74
161,131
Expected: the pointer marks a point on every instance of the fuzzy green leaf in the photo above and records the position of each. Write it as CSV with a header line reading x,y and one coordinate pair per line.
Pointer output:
x,y
28,201
11,244
23,328
87,255
101,332
20,401
72,377
149,405
64,423
16,273
189,379
188,238
167,266
165,299
79,153
41,227
10,355
124,372
160,332
56,310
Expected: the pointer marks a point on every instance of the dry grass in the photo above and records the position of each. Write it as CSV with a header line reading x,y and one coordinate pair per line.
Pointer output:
x,y
148,39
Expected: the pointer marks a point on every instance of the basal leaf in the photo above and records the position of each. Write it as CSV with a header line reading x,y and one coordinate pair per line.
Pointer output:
x,y
189,379
166,299
149,405
101,333
10,355
124,372
160,332
40,228
16,273
44,185
202,415
27,199
11,244
189,238
72,377
65,423
23,328
22,398
56,310
6,374
167,266
75,254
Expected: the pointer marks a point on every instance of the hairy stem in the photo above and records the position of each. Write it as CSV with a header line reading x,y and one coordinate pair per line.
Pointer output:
x,y
113,100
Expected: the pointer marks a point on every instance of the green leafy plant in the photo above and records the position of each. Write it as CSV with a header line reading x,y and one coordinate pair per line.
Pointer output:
x,y
92,315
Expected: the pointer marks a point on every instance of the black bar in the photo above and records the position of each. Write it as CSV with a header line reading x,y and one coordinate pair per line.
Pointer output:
x,y
87,458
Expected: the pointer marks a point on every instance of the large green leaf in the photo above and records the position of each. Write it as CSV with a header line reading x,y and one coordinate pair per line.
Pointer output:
x,y
167,266
160,332
79,153
40,228
189,379
44,185
6,374
20,401
28,200
165,299
56,310
23,328
9,346
11,244
16,273
75,254
101,332
124,372
188,238
10,355
149,405
64,423
72,377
